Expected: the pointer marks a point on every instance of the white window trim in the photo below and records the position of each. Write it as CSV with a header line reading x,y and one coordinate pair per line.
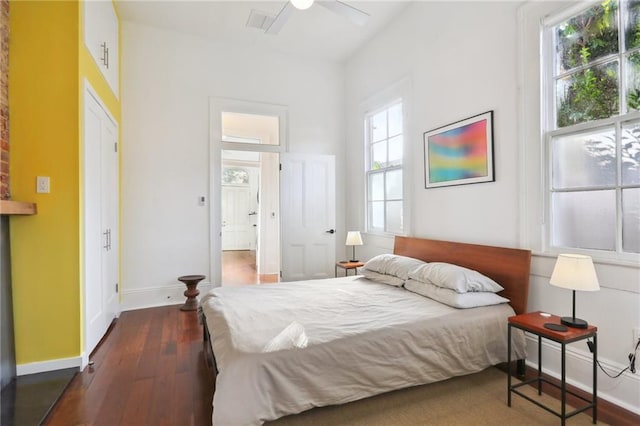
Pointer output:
x,y
397,92
548,132
531,147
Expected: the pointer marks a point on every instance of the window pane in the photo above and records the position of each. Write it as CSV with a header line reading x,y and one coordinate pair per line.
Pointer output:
x,y
379,126
631,153
632,24
376,215
378,155
250,128
584,219
586,159
394,217
376,186
395,151
633,81
394,185
588,95
586,37
631,220
235,176
395,120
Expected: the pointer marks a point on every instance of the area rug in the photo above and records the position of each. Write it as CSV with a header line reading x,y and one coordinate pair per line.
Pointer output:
x,y
476,399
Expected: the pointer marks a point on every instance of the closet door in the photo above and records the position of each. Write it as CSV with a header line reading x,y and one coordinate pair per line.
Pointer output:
x,y
100,180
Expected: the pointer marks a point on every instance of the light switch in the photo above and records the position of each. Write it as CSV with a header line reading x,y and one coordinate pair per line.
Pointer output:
x,y
43,185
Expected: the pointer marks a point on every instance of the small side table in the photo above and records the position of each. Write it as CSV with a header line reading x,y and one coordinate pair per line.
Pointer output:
x,y
348,265
191,281
533,323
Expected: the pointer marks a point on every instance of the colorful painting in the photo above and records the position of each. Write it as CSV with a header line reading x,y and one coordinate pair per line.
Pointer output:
x,y
460,153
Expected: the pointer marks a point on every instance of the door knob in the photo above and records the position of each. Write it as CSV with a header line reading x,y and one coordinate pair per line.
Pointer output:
x,y
331,231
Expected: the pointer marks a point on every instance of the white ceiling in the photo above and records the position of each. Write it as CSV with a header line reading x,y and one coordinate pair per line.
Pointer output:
x,y
315,32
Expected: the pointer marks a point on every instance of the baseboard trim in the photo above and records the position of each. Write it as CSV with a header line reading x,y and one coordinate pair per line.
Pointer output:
x,y
622,391
152,297
50,365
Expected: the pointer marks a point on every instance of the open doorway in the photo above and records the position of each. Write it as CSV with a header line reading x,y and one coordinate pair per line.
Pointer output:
x,y
250,199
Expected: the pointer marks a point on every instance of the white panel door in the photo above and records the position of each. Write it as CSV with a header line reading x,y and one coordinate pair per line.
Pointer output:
x,y
238,232
308,216
100,221
109,191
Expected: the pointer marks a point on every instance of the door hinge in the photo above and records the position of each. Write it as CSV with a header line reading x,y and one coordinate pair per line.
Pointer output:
x,y
116,287
280,166
280,274
115,147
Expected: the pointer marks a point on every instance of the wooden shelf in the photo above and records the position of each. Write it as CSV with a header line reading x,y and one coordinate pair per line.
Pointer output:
x,y
9,207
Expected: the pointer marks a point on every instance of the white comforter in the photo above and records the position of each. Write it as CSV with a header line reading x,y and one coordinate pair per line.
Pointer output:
x,y
363,339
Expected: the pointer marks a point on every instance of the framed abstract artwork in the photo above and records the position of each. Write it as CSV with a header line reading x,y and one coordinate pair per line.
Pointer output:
x,y
460,153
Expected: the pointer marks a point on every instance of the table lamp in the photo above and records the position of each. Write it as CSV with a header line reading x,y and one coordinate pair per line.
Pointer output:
x,y
353,239
574,272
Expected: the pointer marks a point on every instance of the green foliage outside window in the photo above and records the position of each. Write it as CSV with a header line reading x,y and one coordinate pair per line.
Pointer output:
x,y
592,92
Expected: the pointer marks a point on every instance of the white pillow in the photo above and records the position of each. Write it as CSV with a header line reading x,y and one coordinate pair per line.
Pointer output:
x,y
393,264
454,277
382,278
452,298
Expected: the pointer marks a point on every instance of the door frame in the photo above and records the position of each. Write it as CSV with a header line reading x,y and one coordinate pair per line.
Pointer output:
x,y
217,105
88,90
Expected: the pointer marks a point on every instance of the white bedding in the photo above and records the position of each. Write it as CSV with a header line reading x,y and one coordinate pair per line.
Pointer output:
x,y
362,338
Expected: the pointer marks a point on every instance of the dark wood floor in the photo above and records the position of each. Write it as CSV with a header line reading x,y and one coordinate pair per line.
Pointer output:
x,y
149,370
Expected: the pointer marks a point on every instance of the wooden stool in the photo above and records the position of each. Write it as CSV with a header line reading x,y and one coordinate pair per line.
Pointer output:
x,y
191,281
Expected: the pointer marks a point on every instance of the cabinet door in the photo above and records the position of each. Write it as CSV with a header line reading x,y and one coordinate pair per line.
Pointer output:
x,y
100,230
101,39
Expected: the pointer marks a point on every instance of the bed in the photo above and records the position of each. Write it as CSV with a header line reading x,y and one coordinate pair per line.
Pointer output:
x,y
285,348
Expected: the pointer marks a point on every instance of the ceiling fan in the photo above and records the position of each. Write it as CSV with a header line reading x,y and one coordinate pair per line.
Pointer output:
x,y
356,16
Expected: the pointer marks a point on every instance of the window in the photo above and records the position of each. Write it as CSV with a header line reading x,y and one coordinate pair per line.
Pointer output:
x,y
593,122
235,176
384,172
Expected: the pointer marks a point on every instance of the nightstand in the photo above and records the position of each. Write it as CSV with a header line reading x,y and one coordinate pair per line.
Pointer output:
x,y
534,323
348,265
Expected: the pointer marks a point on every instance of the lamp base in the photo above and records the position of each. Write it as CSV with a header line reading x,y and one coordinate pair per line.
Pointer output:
x,y
574,322
354,260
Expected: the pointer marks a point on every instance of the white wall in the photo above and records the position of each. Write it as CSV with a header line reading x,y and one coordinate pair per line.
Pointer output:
x,y
444,50
167,80
463,59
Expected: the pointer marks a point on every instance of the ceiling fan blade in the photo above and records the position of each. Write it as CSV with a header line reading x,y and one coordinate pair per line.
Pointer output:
x,y
281,19
356,16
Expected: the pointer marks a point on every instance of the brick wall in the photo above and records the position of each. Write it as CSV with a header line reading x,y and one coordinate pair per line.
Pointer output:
x,y
4,99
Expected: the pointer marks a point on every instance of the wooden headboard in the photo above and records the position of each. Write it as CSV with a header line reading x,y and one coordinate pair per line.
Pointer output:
x,y
508,267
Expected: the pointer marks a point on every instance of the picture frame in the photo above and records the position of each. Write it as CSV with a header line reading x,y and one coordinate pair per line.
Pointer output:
x,y
460,153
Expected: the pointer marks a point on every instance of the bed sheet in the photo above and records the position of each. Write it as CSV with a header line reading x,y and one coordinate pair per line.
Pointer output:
x,y
363,339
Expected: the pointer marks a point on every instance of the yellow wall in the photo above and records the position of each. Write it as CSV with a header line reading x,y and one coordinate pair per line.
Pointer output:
x,y
47,65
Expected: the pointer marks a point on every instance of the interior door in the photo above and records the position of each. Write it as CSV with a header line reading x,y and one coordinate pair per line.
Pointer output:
x,y
308,216
100,221
238,232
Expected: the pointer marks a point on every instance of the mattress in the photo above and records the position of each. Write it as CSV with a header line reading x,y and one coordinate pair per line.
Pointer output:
x,y
356,338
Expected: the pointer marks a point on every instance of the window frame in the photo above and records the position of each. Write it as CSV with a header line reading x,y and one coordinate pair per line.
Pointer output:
x,y
368,171
550,130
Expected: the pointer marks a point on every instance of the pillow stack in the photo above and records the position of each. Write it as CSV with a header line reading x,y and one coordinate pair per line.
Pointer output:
x,y
390,269
454,285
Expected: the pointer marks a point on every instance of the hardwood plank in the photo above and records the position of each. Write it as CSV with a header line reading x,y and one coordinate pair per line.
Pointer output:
x,y
135,378
136,410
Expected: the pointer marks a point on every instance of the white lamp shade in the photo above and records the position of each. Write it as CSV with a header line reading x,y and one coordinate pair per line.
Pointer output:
x,y
575,272
302,4
353,238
